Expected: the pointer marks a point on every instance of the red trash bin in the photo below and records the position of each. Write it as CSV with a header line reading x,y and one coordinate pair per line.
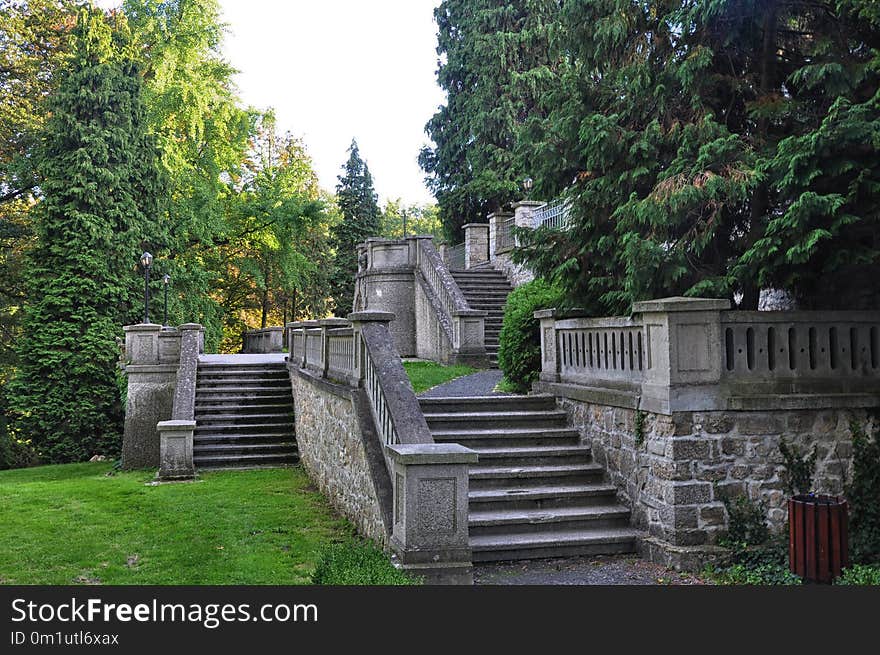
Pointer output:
x,y
818,545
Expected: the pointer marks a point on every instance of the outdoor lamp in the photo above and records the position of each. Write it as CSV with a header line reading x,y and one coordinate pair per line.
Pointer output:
x,y
166,280
146,262
528,183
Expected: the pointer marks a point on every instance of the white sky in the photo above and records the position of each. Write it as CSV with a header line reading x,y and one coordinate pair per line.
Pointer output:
x,y
337,69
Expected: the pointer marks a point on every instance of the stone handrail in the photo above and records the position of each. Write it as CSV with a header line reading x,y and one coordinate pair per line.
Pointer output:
x,y
693,354
439,279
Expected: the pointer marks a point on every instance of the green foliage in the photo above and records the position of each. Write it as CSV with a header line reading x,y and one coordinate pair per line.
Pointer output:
x,y
424,375
639,427
860,574
746,521
519,344
101,190
420,219
862,493
799,469
494,60
715,147
77,523
357,562
762,574
360,220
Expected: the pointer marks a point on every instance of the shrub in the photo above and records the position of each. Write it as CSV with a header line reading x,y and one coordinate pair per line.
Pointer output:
x,y
862,493
519,347
860,574
357,562
799,469
747,522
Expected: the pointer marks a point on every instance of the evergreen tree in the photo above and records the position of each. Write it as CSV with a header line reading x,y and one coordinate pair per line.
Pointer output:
x,y
99,210
360,220
717,147
495,64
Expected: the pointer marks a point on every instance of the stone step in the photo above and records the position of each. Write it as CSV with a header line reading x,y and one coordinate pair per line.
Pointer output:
x,y
533,455
242,400
554,543
224,382
242,418
281,427
508,437
510,419
207,449
492,476
246,461
518,521
536,402
267,435
217,370
542,497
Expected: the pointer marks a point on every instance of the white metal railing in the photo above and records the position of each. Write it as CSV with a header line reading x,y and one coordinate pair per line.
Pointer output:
x,y
555,214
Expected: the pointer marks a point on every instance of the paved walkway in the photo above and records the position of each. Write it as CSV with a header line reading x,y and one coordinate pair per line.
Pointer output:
x,y
476,384
597,570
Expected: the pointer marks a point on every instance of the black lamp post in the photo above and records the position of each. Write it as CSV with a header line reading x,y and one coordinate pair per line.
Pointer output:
x,y
404,223
166,280
146,262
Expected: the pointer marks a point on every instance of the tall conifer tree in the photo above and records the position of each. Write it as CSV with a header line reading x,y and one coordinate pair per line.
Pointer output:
x,y
361,219
99,210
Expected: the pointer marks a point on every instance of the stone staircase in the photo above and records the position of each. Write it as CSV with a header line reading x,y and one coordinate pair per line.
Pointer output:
x,y
486,289
244,416
536,491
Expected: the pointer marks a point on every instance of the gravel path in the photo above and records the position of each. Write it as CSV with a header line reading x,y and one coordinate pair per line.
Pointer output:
x,y
597,570
475,384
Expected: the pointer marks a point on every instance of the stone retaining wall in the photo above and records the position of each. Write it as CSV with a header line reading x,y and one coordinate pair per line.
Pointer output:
x,y
341,454
673,470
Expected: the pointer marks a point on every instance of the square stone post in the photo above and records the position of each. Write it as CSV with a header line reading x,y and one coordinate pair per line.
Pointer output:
x,y
684,353
476,244
357,320
522,212
469,332
176,450
430,510
496,219
549,360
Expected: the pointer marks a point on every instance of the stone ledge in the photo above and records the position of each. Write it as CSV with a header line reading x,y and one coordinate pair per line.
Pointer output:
x,y
151,368
680,304
340,390
437,453
680,558
595,395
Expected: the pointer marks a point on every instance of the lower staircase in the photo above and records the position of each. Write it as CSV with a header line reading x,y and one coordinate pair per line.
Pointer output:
x,y
244,416
536,491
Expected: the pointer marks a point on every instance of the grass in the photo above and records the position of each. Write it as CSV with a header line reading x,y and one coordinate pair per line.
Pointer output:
x,y
358,562
75,524
425,375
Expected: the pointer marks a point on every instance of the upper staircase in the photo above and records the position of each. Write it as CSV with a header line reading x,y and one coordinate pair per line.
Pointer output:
x,y
244,415
486,289
536,491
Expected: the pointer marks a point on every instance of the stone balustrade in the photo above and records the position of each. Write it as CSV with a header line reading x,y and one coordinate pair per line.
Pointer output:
x,y
264,340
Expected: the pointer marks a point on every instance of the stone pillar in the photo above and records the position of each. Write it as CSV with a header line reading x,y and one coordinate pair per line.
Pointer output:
x,y
476,244
549,361
151,361
522,212
496,219
176,450
469,336
684,353
430,510
357,320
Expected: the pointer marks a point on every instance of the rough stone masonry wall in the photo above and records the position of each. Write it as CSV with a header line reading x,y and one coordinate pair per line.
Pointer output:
x,y
333,452
675,478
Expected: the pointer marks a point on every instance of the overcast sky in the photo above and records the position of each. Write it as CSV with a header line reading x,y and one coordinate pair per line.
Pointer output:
x,y
337,69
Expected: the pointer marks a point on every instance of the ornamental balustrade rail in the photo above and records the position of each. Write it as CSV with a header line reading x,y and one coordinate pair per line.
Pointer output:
x,y
504,239
263,340
555,214
684,354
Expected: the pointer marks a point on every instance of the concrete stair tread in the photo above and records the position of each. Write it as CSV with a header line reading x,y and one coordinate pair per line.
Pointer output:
x,y
530,451
553,538
254,438
238,458
202,419
527,414
514,492
502,433
220,448
270,426
244,382
479,472
545,516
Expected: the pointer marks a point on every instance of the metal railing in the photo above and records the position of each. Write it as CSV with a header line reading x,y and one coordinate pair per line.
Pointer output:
x,y
504,239
555,214
455,257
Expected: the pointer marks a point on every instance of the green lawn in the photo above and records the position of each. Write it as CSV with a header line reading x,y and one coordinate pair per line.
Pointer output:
x,y
425,375
75,524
